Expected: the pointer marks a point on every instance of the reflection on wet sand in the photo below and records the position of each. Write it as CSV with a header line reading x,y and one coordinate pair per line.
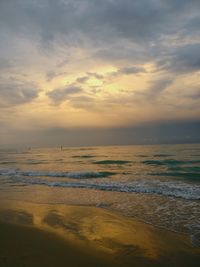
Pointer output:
x,y
18,217
98,233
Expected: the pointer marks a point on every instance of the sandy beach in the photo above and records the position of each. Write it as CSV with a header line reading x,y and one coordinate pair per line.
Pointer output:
x,y
99,133
61,235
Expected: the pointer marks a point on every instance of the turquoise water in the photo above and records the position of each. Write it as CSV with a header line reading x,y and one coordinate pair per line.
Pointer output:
x,y
157,184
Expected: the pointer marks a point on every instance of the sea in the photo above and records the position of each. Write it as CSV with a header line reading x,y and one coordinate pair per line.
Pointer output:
x,y
156,184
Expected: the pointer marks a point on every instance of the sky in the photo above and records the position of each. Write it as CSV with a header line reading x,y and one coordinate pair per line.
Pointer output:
x,y
94,72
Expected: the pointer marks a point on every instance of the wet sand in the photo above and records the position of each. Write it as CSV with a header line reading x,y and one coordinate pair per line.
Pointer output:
x,y
61,235
23,247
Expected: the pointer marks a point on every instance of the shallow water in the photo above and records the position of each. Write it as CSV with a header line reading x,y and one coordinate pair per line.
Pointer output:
x,y
157,184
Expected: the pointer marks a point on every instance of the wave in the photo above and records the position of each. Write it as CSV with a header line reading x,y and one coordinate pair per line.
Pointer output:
x,y
112,162
75,175
166,189
190,176
35,162
161,162
191,173
185,169
175,189
7,162
84,156
170,162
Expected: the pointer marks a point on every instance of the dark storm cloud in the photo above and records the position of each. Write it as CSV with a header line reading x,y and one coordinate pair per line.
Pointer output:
x,y
60,95
14,93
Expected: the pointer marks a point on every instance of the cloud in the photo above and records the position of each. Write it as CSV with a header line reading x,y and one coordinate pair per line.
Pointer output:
x,y
154,91
124,52
60,95
5,64
136,20
121,71
129,70
193,25
194,95
74,95
110,30
83,102
159,86
96,75
184,59
43,40
82,79
16,93
53,74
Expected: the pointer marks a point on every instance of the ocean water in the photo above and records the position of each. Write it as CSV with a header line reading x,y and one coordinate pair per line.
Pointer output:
x,y
156,184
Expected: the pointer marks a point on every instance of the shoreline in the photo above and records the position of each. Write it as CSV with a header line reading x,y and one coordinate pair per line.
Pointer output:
x,y
98,236
138,210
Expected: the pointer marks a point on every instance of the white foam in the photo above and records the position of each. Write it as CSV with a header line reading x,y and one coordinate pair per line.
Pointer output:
x,y
158,188
181,191
144,186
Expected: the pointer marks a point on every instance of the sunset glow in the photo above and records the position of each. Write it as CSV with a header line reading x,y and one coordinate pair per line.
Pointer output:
x,y
97,64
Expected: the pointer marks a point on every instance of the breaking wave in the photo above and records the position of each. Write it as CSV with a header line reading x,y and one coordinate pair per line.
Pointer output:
x,y
179,190
168,188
